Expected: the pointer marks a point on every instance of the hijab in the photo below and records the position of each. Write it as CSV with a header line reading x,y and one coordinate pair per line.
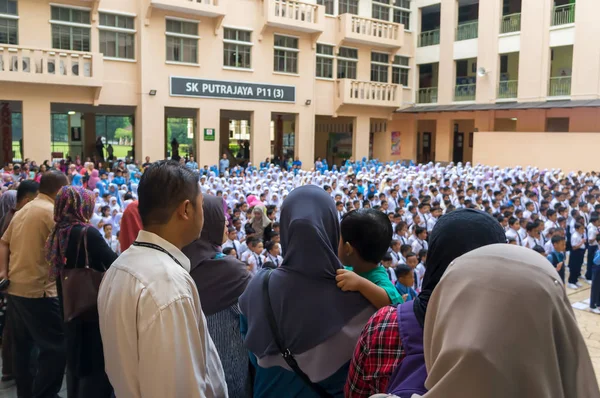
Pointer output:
x,y
8,201
131,225
517,337
455,234
220,279
73,206
94,178
260,225
298,289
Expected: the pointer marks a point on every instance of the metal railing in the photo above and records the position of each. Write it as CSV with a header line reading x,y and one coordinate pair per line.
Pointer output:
x,y
465,92
429,38
563,15
427,95
467,30
510,23
508,89
559,86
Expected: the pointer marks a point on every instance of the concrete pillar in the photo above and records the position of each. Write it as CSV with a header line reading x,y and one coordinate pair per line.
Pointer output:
x,y
208,151
36,129
260,137
534,57
89,135
360,137
152,123
447,75
305,139
444,136
489,26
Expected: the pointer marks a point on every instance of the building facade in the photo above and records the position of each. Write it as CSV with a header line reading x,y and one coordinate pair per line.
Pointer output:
x,y
257,79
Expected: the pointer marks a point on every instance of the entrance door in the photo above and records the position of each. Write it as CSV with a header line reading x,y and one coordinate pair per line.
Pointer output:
x,y
459,140
426,157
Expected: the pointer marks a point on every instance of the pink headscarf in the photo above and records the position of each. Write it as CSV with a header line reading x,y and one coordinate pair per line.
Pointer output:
x,y
94,178
253,201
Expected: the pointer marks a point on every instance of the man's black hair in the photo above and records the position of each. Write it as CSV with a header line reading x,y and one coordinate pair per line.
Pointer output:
x,y
26,188
556,239
369,232
270,245
403,270
164,186
51,182
386,257
405,249
227,251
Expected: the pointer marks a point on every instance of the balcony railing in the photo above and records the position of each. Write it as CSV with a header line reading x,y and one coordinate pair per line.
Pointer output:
x,y
563,15
370,31
355,92
427,95
207,8
559,86
510,23
467,30
295,15
50,66
508,89
429,38
465,92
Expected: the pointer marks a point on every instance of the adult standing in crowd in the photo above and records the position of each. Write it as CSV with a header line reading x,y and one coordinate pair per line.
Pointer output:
x,y
317,322
472,351
74,243
221,280
156,343
223,164
34,309
25,193
261,223
382,347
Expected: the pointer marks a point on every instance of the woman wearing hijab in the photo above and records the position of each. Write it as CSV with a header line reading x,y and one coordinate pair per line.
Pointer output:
x,y
319,323
471,351
94,178
66,248
8,202
381,349
221,280
261,223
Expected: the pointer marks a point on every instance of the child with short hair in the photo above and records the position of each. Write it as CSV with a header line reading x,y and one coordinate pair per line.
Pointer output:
x,y
272,253
255,258
230,251
557,256
406,280
577,254
366,235
387,262
420,270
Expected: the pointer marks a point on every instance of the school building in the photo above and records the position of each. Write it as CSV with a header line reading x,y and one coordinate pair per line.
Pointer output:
x,y
497,81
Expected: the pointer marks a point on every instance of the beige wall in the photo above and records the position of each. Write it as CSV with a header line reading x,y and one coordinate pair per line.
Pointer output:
x,y
551,150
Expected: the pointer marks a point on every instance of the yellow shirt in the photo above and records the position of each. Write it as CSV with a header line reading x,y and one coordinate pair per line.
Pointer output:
x,y
26,237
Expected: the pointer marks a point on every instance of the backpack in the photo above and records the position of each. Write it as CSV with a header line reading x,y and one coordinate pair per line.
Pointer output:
x,y
409,377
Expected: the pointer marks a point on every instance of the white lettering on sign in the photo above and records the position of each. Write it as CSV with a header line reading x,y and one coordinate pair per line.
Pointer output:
x,y
222,89
193,87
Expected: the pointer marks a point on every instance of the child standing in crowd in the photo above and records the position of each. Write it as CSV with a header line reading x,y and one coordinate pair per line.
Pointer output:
x,y
557,256
272,253
365,238
255,258
577,254
230,251
406,281
388,264
420,269
420,243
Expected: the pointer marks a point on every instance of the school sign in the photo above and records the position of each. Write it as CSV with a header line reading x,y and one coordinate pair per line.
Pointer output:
x,y
203,88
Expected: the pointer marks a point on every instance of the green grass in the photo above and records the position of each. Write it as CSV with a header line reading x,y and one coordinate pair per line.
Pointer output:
x,y
120,151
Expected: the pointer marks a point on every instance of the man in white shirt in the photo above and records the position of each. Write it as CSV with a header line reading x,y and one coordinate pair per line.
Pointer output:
x,y
156,342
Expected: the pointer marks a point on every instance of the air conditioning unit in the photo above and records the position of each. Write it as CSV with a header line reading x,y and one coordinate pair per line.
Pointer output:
x,y
24,64
75,68
52,67
1,64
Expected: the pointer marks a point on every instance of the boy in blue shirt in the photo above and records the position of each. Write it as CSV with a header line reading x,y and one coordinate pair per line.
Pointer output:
x,y
557,256
406,280
366,235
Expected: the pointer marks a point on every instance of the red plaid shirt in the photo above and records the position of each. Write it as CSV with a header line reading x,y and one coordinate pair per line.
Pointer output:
x,y
378,352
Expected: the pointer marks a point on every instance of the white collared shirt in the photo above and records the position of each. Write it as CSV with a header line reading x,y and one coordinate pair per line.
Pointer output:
x,y
156,342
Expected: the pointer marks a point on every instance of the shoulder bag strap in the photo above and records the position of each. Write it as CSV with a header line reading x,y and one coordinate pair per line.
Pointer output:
x,y
84,231
286,353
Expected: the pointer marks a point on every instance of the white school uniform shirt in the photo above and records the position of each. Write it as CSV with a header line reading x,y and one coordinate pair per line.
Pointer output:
x,y
255,261
395,257
576,239
113,243
592,232
235,244
431,223
155,337
420,270
391,274
277,260
241,235
511,233
548,247
419,245
530,242
245,254
549,224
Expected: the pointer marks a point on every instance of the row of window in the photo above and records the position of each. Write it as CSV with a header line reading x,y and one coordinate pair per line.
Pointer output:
x,y
387,10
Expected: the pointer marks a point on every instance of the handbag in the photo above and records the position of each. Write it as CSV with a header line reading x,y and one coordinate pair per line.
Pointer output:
x,y
80,287
285,352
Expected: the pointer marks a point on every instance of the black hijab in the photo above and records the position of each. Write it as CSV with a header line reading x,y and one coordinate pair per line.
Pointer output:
x,y
455,234
220,279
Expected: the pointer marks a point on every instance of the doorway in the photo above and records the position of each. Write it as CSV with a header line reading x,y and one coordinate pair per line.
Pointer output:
x,y
458,147
236,130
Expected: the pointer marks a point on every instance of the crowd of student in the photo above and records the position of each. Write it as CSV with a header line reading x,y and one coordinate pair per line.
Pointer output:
x,y
374,278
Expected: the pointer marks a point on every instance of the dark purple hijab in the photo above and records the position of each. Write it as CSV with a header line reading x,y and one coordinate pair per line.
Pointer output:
x,y
309,308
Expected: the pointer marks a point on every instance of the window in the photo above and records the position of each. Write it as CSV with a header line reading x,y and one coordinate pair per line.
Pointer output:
x,y
117,36
286,54
379,67
67,30
325,61
347,61
348,7
400,70
398,10
9,31
237,48
403,17
182,41
381,10
328,5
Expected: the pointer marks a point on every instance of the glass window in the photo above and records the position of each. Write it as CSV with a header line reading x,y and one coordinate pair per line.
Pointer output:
x,y
347,62
65,36
400,60
381,12
402,4
324,61
400,76
8,7
348,7
236,53
9,31
182,41
328,5
66,14
403,17
114,41
286,54
380,57
379,73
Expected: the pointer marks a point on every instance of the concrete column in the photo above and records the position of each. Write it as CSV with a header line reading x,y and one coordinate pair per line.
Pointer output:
x,y
208,151
360,137
260,137
586,58
447,75
36,129
152,123
305,139
489,26
89,135
444,136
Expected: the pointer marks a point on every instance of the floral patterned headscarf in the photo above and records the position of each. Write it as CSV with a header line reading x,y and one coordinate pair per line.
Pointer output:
x,y
74,206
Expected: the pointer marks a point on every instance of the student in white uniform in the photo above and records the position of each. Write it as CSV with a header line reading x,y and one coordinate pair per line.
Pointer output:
x,y
394,252
255,258
513,230
151,320
592,234
576,257
273,253
111,240
532,239
233,242
387,263
436,212
420,243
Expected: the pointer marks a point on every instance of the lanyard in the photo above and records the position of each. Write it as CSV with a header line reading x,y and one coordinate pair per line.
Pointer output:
x,y
156,247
